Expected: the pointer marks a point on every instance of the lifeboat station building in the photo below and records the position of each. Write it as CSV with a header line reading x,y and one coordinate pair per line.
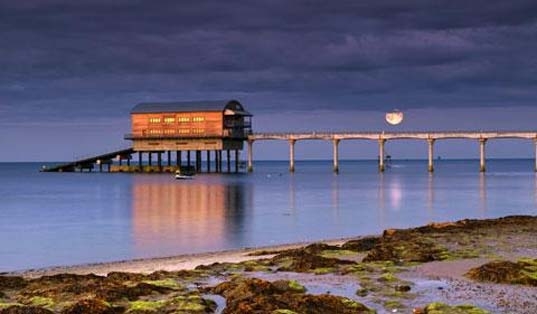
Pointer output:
x,y
171,135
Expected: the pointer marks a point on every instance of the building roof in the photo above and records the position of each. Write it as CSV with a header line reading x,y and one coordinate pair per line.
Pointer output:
x,y
189,106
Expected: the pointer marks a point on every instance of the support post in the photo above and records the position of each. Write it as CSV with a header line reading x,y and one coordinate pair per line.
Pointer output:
x,y
208,161
482,142
335,143
140,161
149,158
228,155
430,143
198,161
250,155
100,165
178,158
159,161
292,155
381,154
236,161
129,161
120,160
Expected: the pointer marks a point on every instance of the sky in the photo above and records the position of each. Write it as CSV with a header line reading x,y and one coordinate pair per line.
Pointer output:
x,y
70,71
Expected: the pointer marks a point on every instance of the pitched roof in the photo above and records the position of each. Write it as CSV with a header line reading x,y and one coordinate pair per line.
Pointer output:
x,y
182,106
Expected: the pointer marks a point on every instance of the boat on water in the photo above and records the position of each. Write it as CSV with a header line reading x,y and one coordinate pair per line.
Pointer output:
x,y
184,173
180,176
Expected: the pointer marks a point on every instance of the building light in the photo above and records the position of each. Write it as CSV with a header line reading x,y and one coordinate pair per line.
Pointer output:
x,y
154,120
183,119
169,119
198,119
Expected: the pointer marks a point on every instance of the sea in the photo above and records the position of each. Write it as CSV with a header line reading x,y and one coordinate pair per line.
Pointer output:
x,y
57,219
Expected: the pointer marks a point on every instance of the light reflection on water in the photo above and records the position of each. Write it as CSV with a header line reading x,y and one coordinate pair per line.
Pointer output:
x,y
58,219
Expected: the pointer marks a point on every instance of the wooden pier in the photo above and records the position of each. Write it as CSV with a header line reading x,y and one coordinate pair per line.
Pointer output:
x,y
430,138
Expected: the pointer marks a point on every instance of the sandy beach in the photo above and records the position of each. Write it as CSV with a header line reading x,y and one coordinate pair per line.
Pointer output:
x,y
172,263
469,266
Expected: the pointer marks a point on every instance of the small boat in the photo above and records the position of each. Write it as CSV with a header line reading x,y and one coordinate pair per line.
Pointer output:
x,y
180,175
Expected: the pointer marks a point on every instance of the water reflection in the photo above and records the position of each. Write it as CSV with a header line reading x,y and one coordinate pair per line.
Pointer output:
x,y
482,195
171,216
430,196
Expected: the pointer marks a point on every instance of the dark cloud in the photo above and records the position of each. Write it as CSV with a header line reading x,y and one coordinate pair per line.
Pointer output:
x,y
73,58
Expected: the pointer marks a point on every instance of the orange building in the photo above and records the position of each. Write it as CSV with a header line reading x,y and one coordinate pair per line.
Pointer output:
x,y
199,126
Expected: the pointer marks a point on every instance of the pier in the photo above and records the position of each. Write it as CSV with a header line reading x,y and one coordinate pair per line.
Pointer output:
x,y
481,137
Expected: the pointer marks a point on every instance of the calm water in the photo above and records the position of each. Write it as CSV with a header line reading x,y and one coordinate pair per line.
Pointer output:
x,y
51,219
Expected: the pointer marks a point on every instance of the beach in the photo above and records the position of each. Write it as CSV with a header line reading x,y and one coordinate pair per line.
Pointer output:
x,y
468,266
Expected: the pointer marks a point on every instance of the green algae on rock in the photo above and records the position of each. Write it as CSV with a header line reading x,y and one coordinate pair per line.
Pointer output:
x,y
523,272
252,295
441,308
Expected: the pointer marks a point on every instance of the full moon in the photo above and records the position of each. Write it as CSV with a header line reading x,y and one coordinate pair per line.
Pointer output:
x,y
394,117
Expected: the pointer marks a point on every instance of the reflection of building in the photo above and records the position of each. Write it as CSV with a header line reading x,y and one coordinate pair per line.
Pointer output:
x,y
177,218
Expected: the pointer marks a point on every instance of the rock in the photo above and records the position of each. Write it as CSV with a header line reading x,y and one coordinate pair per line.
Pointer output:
x,y
360,245
406,246
12,282
251,295
302,261
402,288
522,272
25,310
94,306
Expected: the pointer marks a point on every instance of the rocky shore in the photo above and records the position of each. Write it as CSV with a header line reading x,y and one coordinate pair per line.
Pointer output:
x,y
468,266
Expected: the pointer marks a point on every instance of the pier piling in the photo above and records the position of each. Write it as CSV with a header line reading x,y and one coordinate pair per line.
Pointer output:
x,y
381,154
482,142
292,155
335,144
250,155
430,144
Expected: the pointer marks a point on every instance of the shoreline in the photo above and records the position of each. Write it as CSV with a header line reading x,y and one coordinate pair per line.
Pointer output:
x,y
169,263
470,266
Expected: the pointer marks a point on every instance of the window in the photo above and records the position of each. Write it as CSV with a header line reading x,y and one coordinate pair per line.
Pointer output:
x,y
184,131
183,119
155,131
154,120
198,119
169,131
198,131
169,119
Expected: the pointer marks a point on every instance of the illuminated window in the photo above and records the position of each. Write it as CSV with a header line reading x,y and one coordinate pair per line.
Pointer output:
x,y
198,131
155,131
183,119
154,120
169,119
198,119
169,131
184,131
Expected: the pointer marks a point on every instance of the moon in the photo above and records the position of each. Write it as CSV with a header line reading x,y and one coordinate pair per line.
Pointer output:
x,y
394,117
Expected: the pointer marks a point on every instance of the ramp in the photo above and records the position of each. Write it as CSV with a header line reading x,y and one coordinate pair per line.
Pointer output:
x,y
88,163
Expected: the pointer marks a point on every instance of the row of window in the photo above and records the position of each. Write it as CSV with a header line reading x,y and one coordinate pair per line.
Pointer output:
x,y
180,119
175,131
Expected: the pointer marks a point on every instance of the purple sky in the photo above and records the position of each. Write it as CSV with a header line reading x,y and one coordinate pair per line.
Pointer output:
x,y
72,70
